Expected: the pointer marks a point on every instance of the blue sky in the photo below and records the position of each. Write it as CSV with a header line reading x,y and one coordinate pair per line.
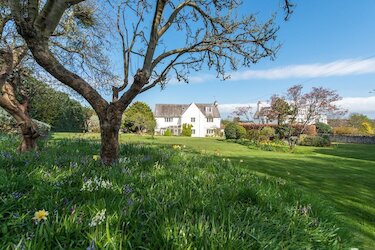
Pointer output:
x,y
325,43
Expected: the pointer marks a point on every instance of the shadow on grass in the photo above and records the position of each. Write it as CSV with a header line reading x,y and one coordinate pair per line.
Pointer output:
x,y
346,183
355,151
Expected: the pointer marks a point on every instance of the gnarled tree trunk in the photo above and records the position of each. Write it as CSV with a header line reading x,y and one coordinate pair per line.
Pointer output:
x,y
18,111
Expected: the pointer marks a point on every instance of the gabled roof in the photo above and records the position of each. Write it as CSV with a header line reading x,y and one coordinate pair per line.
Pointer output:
x,y
177,110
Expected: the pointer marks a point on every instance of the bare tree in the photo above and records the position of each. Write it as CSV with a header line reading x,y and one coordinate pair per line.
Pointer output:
x,y
309,107
212,34
243,111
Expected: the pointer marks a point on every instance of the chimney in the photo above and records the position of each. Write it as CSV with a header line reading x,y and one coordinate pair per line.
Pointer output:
x,y
259,106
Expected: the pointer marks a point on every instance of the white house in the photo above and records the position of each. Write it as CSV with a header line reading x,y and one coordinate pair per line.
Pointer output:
x,y
260,116
205,118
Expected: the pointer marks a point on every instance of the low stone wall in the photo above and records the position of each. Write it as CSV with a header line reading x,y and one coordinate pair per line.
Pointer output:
x,y
353,139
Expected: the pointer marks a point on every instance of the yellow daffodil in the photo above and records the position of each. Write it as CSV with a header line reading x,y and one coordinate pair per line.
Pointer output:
x,y
40,215
95,157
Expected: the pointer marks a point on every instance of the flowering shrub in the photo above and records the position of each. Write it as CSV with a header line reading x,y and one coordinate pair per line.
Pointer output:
x,y
345,131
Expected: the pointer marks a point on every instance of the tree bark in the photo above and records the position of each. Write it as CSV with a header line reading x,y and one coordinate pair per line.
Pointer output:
x,y
110,124
29,135
28,128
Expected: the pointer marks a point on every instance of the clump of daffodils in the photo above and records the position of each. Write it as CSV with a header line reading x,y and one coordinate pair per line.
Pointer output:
x,y
40,215
98,219
96,184
177,147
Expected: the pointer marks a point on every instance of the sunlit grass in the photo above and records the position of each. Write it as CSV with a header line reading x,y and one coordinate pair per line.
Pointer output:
x,y
343,175
157,197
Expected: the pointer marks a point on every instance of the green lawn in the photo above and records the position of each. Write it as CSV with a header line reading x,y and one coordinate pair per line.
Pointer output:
x,y
343,174
158,197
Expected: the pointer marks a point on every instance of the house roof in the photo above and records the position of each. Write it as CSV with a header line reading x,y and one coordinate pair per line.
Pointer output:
x,y
177,110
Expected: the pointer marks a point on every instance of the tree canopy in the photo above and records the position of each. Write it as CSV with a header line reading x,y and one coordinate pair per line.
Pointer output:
x,y
213,35
138,118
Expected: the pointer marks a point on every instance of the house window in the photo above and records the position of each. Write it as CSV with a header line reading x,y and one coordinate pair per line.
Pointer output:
x,y
210,131
208,109
210,119
193,131
192,119
168,119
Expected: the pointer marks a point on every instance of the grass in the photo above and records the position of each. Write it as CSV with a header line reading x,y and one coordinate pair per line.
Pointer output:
x,y
158,197
343,175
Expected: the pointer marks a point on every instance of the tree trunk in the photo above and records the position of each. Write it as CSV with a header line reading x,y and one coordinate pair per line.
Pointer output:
x,y
19,112
28,128
29,136
109,130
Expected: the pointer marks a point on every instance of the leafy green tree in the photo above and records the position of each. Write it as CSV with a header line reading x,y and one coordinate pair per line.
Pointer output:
x,y
187,130
362,123
139,118
323,128
279,110
55,108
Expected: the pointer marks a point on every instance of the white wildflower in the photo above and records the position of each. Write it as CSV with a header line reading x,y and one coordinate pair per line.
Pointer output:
x,y
96,184
98,219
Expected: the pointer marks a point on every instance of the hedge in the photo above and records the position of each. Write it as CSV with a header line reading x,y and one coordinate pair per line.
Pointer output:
x,y
309,130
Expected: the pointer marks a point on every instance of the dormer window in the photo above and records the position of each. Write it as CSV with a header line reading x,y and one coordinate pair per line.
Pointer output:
x,y
209,109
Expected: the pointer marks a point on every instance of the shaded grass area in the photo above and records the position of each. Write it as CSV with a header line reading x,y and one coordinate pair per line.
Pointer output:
x,y
155,198
343,175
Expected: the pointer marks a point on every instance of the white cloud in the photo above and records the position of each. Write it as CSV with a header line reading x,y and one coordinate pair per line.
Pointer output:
x,y
229,108
335,68
364,105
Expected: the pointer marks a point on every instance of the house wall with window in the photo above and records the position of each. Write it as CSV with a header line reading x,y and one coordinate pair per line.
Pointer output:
x,y
205,118
196,118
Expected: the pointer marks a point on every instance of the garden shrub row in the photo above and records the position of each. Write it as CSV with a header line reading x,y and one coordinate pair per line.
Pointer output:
x,y
309,130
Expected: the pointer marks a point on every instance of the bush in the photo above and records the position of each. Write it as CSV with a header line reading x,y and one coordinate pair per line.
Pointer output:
x,y
316,141
253,135
267,133
186,130
230,131
235,131
168,132
240,132
345,131
367,128
323,128
310,130
282,129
